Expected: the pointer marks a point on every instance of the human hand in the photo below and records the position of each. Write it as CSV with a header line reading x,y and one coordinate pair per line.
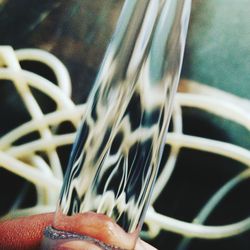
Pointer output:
x,y
26,233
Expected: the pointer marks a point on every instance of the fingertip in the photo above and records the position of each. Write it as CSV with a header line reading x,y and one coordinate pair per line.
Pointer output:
x,y
68,244
142,245
78,245
24,232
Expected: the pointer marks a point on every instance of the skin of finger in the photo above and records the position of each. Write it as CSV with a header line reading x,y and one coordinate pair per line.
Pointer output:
x,y
26,233
78,245
142,245
82,245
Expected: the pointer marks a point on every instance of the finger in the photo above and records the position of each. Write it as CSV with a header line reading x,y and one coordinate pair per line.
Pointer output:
x,y
142,245
79,245
82,245
24,233
70,245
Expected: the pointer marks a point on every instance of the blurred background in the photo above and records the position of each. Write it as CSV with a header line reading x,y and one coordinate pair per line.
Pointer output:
x,y
217,54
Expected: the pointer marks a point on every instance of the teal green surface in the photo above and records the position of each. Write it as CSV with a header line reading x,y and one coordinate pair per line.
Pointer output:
x,y
218,54
218,46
